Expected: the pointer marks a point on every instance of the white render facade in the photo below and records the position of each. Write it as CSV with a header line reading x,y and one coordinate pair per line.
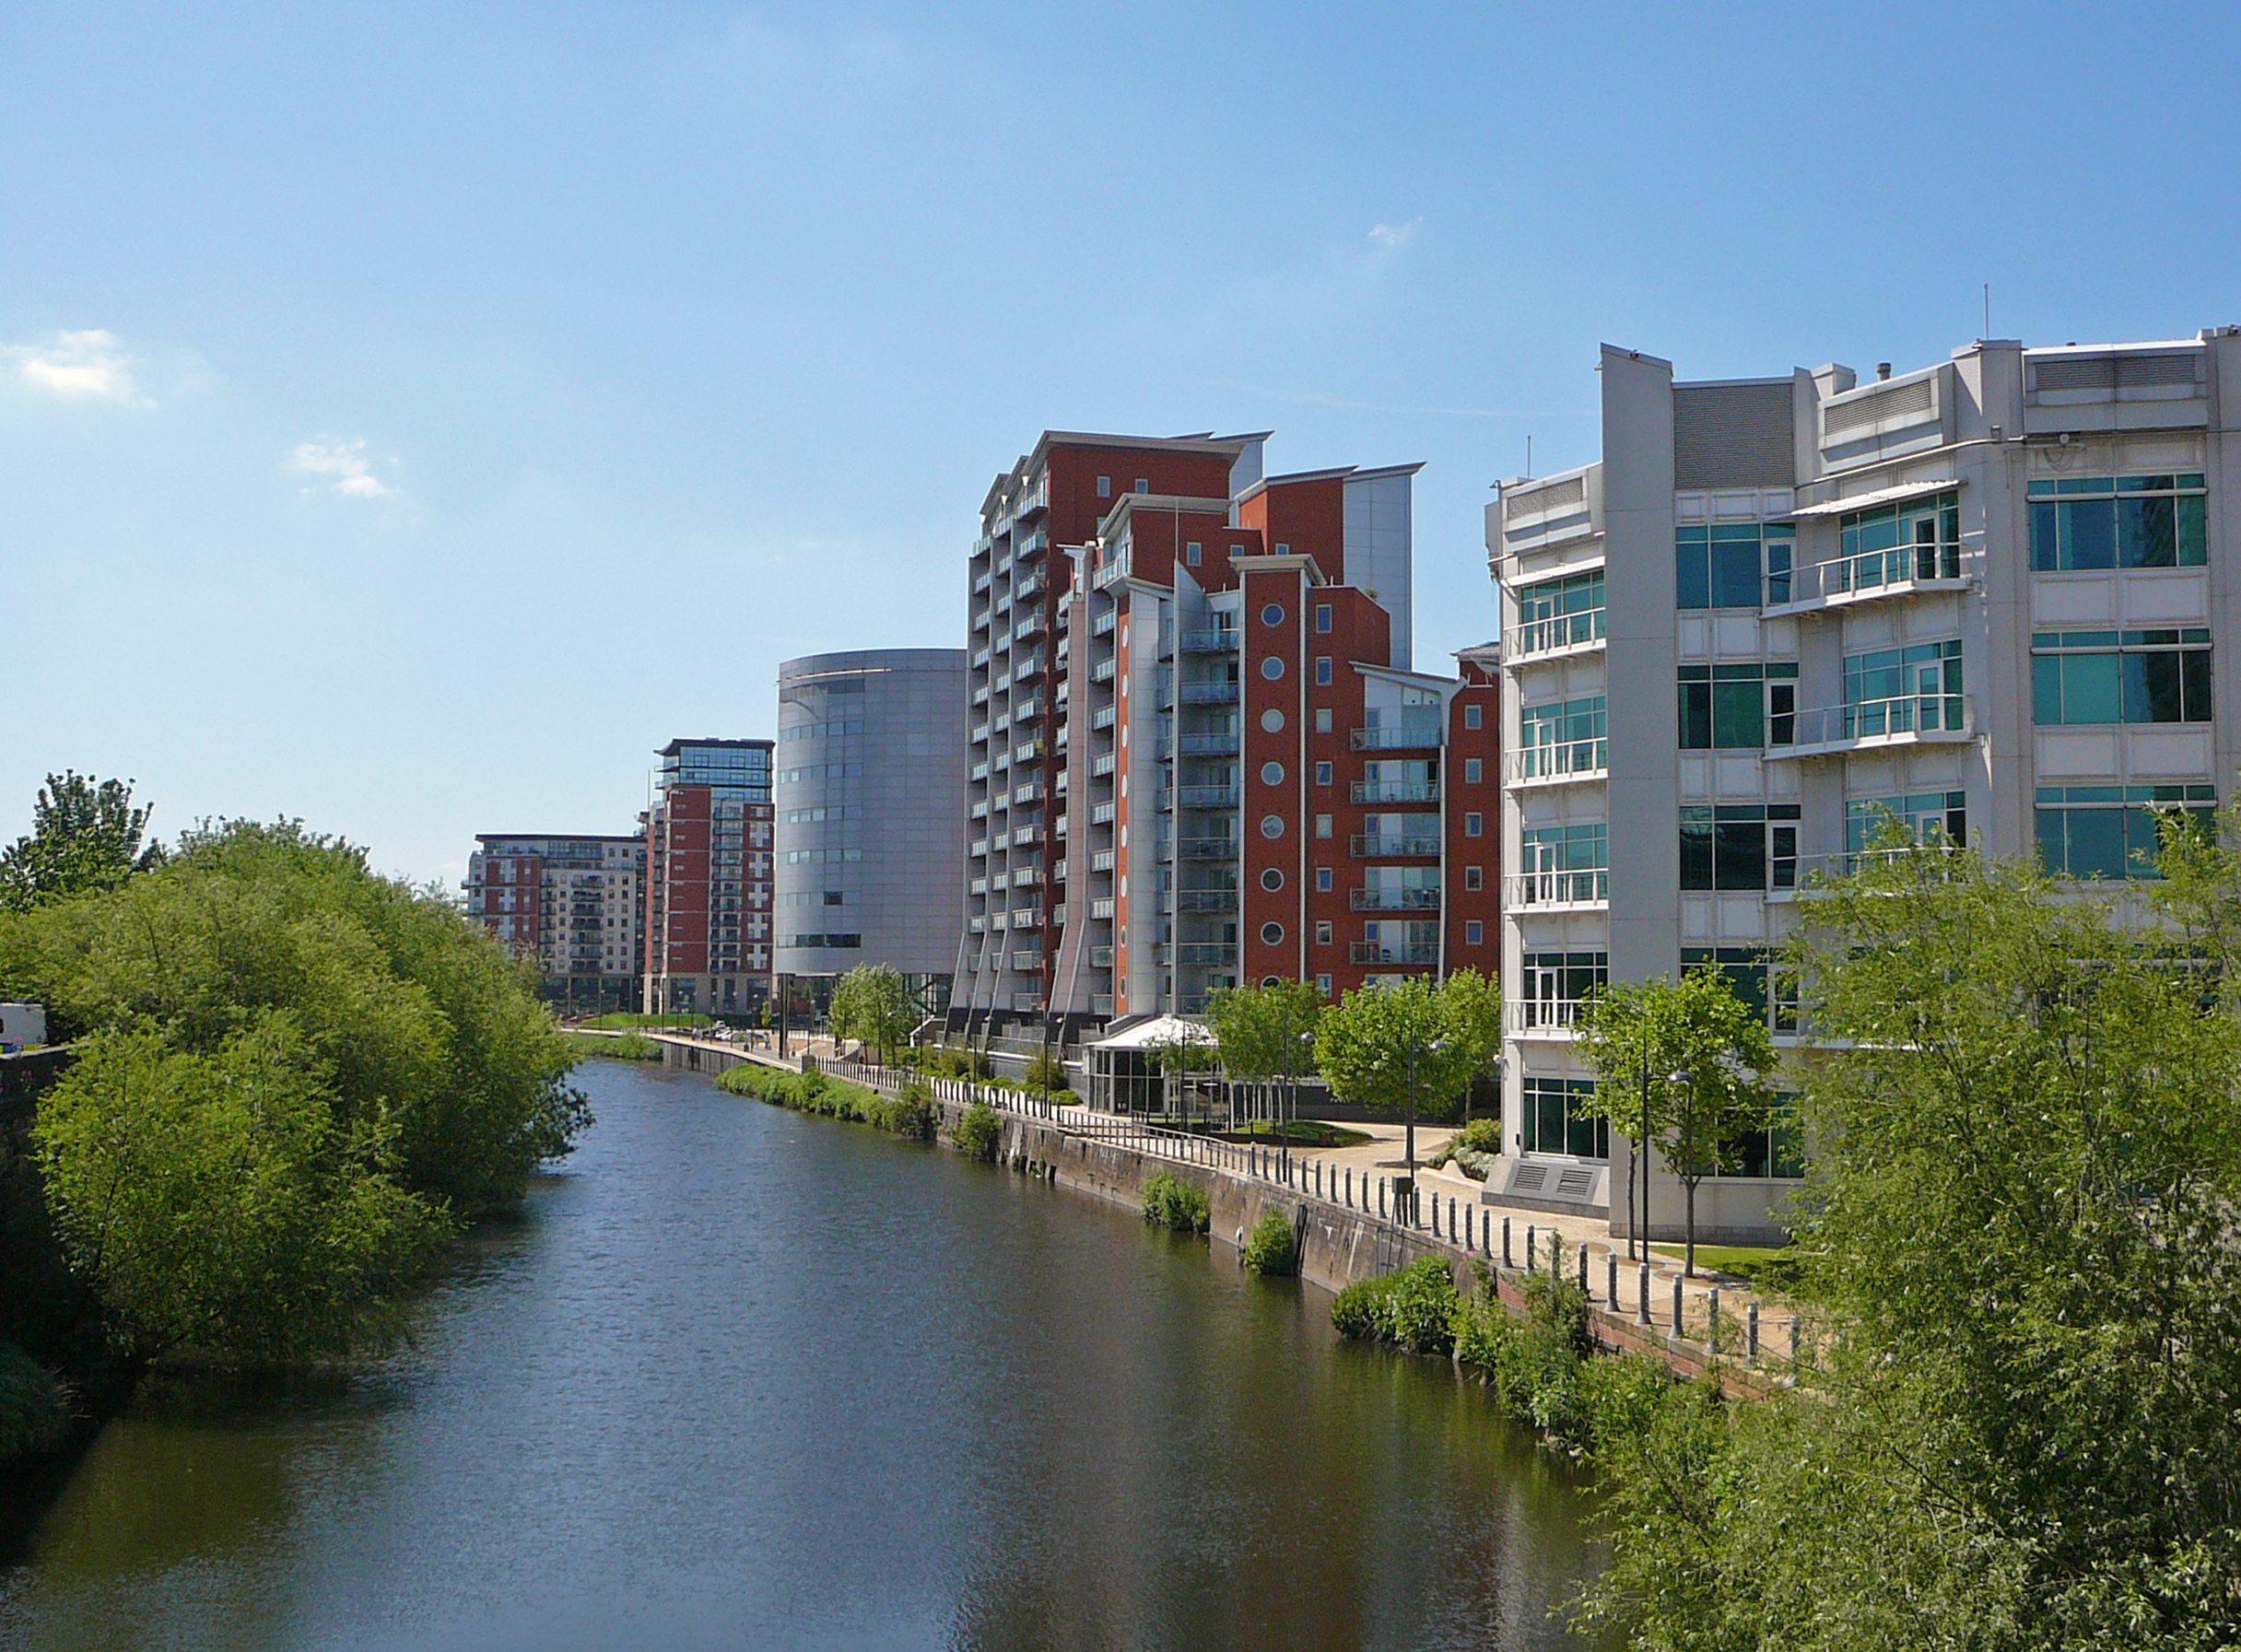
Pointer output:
x,y
1983,596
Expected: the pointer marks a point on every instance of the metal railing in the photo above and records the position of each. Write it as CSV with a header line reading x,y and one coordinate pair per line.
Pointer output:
x,y
1558,633
1402,952
1394,900
1395,739
1901,719
1541,1017
1565,760
1210,694
1396,792
1587,886
1385,846
1897,571
1223,641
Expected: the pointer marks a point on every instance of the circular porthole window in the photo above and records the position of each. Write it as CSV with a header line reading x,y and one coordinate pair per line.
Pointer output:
x,y
1272,825
1272,880
1272,933
1272,614
1271,980
1272,720
1272,774
1272,668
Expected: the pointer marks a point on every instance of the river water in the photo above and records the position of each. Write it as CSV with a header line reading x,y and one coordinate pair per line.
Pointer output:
x,y
739,1378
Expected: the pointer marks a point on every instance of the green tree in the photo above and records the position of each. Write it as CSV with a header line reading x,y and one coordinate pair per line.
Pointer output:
x,y
871,1006
1698,1054
1396,1047
1263,1032
1475,1003
1185,1052
85,838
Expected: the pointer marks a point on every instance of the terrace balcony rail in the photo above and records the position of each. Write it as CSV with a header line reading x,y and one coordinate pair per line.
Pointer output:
x,y
1395,951
1030,623
1102,764
1210,694
1219,744
1221,640
1870,576
1100,957
1101,906
1566,761
1393,901
1101,813
1209,796
1100,1003
1032,793
1205,900
1407,738
1540,1017
1104,717
1033,545
1554,637
1207,849
1396,792
1384,846
1028,669
1583,888
1027,877
1103,671
1202,951
1101,859
1103,625
1879,724
1110,572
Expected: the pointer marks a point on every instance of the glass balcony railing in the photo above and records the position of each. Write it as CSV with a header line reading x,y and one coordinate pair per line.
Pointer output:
x,y
1381,898
1406,738
1387,846
1396,792
1383,952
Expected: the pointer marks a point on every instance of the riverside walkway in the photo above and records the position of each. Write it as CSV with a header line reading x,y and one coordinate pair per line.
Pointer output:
x,y
1694,1324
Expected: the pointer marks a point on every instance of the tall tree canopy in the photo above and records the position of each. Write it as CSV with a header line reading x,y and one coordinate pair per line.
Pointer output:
x,y
871,1005
85,836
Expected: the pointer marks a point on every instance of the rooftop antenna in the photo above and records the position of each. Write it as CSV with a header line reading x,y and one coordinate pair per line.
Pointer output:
x,y
1988,310
1529,458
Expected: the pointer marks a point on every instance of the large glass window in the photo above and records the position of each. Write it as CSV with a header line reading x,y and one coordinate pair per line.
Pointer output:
x,y
1917,540
2120,521
1567,863
2111,831
2120,677
1738,846
1555,982
1759,981
1559,613
1894,691
1565,738
1932,818
1557,1118
1733,565
1739,706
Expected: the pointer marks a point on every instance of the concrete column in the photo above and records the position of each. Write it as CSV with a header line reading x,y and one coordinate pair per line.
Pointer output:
x,y
1677,1304
1610,1280
1711,1332
1751,1334
1641,1294
1505,1262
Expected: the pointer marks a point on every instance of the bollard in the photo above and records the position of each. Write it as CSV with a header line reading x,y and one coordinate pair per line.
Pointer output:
x,y
1711,1324
1677,1304
1350,1186
1751,1334
1641,1294
1583,1272
1610,1280
1380,1199
1505,1262
1470,1243
1450,1221
1794,1340
1533,1247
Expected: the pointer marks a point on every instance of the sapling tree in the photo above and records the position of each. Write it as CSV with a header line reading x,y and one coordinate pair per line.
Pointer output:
x,y
1264,1031
871,1006
1397,1047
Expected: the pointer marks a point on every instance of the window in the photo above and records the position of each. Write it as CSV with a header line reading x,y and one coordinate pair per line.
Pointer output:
x,y
1323,719
1272,880
1474,932
1555,983
1105,487
1193,553
1322,670
1557,1118
2120,521
1272,774
1470,715
1751,969
1322,774
1925,816
1322,931
1272,825
1474,877
1283,549
1322,985
1272,614
1322,616
1322,880
1473,824
1731,565
1565,737
1272,668
1917,540
1738,846
1567,864
1738,707
1144,485
1893,691
1272,934
2112,831
1559,613
2120,677
1473,771
1322,825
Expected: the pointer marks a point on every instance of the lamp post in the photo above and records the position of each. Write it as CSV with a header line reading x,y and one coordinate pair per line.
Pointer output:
x,y
1433,1047
1642,1150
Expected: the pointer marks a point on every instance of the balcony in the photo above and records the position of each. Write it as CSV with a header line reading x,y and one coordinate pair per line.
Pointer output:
x,y
1033,500
979,734
981,695
1881,725
1026,960
980,620
1033,545
978,887
980,659
1030,625
1206,900
980,771
1208,849
1110,572
1406,739
1028,833
980,585
1586,890
1209,797
1027,751
1032,793
1540,1017
1204,952
1101,906
1210,694
1028,919
1100,860
1399,952
979,810
1556,638
1100,957
1104,717
974,926
1221,640
1390,848
1028,669
1396,792
1223,745
1100,767
1101,813
1575,762
1102,672
1103,625
1100,1003
1381,899
1877,576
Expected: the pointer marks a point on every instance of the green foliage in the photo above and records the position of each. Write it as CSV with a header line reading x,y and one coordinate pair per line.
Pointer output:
x,y
912,1113
1368,1044
629,1047
980,1132
1269,1249
1176,1204
84,838
1473,1149
1258,1030
34,1407
1696,1055
1413,1309
1046,1070
871,1006
952,1060
616,1020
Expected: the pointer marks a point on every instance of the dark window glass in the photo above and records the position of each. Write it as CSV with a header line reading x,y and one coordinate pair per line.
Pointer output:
x,y
1696,853
2046,688
2089,533
1739,855
1735,572
1738,714
2193,531
2095,843
2194,684
2090,690
2045,539
1781,713
2052,854
1783,856
2151,687
1692,569
2147,533
1695,717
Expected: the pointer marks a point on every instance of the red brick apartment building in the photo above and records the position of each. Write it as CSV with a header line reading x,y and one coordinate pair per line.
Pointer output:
x,y
570,904
708,879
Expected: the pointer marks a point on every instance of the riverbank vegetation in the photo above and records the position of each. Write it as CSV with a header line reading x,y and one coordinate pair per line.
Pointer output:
x,y
912,1114
622,1047
1176,1205
295,1080
980,1133
1271,1248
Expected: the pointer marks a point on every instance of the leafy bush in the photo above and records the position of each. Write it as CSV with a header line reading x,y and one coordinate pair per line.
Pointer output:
x,y
1473,1149
629,1047
979,1132
1359,1310
1045,1070
913,1116
1175,1205
1413,1309
34,1410
1269,1249
912,1113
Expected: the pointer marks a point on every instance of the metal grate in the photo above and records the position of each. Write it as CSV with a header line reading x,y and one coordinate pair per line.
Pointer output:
x,y
1575,1183
1917,397
1549,496
1733,436
1529,1178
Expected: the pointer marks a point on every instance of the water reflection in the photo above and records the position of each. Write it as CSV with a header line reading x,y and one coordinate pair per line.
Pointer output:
x,y
742,1378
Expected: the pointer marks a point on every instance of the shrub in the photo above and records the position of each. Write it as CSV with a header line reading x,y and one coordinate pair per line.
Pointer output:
x,y
1045,1070
913,1116
1413,1309
34,1410
1270,1249
1359,1311
1176,1205
630,1047
979,1132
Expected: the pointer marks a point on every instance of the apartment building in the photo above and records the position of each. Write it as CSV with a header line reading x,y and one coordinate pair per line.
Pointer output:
x,y
1980,598
1201,753
869,790
573,905
709,878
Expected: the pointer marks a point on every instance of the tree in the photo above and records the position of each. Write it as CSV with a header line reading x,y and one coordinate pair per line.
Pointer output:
x,y
1182,1054
85,838
1476,1002
1390,1048
871,1006
1260,1030
1693,1056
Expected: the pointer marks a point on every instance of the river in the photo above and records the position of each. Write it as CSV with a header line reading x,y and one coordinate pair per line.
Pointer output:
x,y
739,1378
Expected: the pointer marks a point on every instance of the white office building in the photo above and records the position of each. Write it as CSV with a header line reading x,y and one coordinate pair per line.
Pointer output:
x,y
1981,596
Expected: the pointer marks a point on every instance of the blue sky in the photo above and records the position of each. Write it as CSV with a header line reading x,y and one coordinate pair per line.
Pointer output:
x,y
411,417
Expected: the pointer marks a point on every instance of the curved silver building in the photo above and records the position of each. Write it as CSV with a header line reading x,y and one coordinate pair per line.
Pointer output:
x,y
869,792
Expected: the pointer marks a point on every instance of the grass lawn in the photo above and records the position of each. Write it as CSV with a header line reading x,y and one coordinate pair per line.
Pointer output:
x,y
1311,1132
616,1022
1771,1266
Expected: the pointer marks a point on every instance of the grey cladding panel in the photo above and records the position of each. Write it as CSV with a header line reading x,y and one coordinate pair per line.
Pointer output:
x,y
1733,436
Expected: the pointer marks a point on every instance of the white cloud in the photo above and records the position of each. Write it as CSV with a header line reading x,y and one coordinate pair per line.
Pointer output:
x,y
79,364
1392,234
342,462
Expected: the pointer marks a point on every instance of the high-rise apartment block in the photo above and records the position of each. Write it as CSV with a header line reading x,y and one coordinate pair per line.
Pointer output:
x,y
709,879
573,905
1200,755
1979,598
870,797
